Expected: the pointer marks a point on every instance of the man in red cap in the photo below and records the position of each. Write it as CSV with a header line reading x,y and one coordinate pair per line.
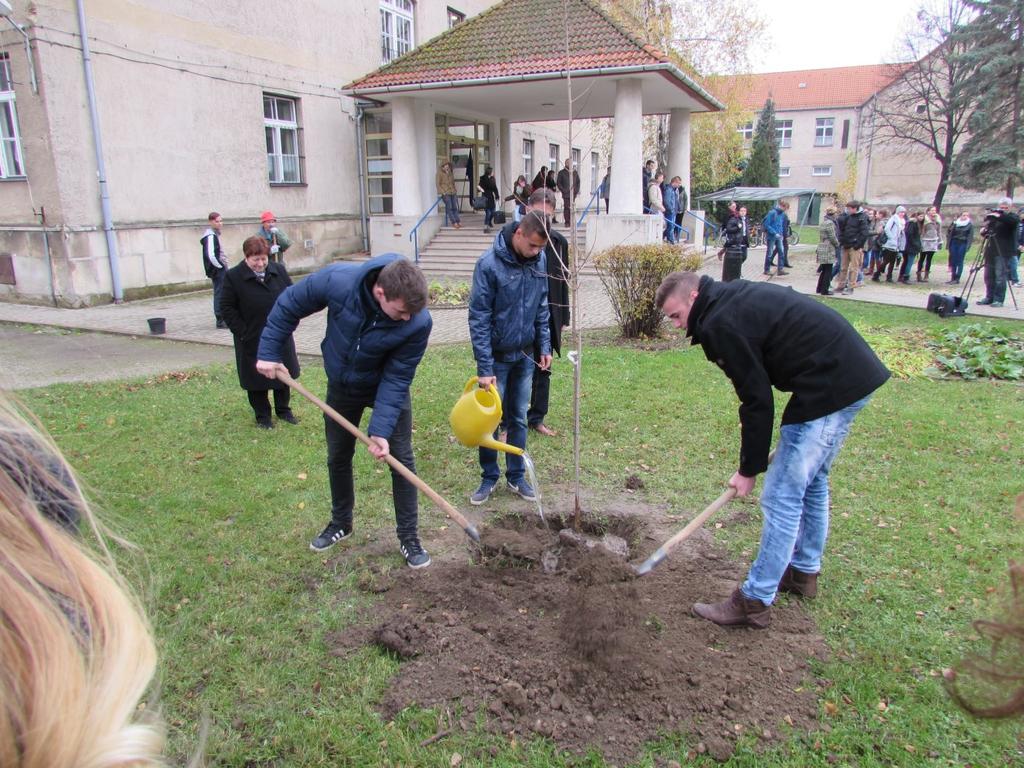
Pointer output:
x,y
279,242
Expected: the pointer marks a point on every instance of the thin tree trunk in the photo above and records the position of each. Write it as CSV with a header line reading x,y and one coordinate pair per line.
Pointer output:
x,y
574,271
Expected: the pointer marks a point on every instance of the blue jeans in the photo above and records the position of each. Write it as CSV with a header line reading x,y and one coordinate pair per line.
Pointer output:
x,y
489,215
773,245
451,210
957,251
515,382
794,500
1014,263
669,233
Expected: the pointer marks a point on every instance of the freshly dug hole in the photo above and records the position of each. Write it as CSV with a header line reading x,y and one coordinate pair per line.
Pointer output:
x,y
587,655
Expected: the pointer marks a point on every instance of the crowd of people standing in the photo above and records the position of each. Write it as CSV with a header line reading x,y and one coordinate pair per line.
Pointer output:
x,y
666,197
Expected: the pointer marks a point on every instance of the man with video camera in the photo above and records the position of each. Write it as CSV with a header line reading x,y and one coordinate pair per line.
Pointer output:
x,y
999,241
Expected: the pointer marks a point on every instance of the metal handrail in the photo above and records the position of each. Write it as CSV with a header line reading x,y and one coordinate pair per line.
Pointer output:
x,y
414,235
669,221
589,202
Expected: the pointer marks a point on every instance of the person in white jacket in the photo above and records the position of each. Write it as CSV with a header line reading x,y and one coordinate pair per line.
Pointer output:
x,y
215,263
657,205
895,243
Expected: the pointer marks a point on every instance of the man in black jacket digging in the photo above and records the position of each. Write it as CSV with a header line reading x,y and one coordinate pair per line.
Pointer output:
x,y
764,336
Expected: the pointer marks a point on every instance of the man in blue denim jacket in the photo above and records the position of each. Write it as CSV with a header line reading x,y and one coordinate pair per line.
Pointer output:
x,y
508,313
767,337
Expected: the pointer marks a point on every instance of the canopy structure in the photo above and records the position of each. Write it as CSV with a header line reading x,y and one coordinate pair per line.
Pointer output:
x,y
756,194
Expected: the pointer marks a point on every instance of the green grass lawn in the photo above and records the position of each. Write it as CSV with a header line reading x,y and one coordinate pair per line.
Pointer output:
x,y
923,529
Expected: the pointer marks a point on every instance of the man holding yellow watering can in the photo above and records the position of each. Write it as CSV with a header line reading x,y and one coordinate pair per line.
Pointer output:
x,y
508,313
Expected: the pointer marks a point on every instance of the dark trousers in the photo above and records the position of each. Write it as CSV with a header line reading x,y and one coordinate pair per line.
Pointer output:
x,y
924,262
824,279
567,204
341,447
885,263
996,270
540,395
732,267
218,283
260,402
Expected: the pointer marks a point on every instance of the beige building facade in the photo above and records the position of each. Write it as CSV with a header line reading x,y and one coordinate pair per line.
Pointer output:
x,y
824,125
218,105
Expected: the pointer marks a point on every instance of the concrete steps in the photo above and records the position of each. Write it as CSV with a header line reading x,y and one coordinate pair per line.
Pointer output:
x,y
453,253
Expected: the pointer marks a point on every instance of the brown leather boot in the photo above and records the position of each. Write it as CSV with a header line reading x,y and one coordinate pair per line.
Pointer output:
x,y
736,611
799,583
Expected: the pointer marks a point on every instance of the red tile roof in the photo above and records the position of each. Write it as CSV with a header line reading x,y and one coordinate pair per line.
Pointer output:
x,y
518,38
813,88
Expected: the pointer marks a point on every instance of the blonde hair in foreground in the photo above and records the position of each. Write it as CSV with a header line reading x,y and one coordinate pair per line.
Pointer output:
x,y
76,653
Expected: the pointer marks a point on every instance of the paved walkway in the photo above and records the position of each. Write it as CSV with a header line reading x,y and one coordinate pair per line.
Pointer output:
x,y
189,317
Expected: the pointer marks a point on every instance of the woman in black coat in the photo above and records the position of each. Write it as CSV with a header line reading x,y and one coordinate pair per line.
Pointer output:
x,y
248,294
490,189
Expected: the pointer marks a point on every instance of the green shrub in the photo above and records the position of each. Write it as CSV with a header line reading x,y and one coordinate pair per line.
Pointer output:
x,y
448,294
632,273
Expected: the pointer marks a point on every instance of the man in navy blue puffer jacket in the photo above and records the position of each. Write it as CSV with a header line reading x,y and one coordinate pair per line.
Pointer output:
x,y
377,330
508,312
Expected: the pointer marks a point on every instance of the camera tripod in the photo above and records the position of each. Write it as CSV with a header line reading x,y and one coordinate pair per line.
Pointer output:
x,y
979,264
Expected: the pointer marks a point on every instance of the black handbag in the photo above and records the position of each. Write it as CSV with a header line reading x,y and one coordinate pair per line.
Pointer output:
x,y
945,305
478,203
499,217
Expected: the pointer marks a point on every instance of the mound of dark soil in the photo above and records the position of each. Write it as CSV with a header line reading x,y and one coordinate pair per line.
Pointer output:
x,y
549,637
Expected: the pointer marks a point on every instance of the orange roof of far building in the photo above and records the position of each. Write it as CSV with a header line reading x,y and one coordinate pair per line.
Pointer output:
x,y
813,88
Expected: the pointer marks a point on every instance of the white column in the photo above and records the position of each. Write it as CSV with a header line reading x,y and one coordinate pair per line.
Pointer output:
x,y
426,141
679,149
504,156
626,197
405,166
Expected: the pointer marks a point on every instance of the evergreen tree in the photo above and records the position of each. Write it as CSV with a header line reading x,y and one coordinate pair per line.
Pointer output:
x,y
993,45
762,168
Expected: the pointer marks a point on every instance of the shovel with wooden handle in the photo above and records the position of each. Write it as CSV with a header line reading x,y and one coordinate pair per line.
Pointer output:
x,y
665,549
395,464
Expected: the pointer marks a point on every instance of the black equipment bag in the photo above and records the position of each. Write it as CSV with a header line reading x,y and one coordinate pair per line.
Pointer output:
x,y
945,305
499,217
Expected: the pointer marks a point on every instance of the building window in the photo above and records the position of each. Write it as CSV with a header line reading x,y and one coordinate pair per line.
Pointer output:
x,y
576,160
377,130
11,163
824,128
396,28
455,17
528,159
281,125
846,134
595,170
821,170
784,132
783,171
553,153
747,132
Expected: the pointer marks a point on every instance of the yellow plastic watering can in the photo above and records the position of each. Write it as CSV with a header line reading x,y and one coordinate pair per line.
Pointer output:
x,y
475,417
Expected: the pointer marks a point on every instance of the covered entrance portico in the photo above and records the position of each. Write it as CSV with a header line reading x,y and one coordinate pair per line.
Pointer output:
x,y
526,79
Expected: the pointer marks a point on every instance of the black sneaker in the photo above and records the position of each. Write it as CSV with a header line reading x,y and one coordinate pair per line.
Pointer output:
x,y
288,416
264,422
330,536
415,555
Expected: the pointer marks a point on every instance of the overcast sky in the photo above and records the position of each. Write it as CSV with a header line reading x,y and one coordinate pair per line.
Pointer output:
x,y
809,34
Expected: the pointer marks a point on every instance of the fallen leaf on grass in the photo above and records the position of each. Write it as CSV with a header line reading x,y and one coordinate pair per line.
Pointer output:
x,y
831,709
